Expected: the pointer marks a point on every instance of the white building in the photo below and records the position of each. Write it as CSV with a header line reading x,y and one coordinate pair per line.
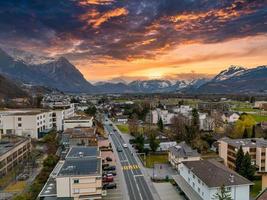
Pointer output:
x,y
61,113
182,152
78,121
206,123
201,180
33,123
230,117
161,114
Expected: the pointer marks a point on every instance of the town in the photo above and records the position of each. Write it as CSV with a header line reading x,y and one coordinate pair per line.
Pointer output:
x,y
134,147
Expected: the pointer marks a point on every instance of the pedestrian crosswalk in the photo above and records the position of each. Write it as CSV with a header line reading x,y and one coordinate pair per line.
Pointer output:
x,y
130,167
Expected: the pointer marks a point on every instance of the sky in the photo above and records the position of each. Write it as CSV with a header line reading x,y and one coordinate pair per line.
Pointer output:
x,y
140,39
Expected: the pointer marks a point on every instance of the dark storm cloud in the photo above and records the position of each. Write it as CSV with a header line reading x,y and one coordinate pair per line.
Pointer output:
x,y
129,29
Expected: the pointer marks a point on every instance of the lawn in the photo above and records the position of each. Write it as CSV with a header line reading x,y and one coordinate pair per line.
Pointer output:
x,y
256,188
16,187
123,128
260,118
155,159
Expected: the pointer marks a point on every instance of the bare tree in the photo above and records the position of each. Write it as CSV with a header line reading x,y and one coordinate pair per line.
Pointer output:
x,y
178,124
133,125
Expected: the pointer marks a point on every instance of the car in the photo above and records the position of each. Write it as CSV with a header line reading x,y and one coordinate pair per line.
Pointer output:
x,y
109,186
108,179
105,165
108,173
109,159
114,130
125,145
119,149
110,168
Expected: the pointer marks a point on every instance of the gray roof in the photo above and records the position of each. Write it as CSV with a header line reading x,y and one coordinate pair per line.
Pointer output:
x,y
248,142
81,166
215,174
82,152
49,189
183,150
8,144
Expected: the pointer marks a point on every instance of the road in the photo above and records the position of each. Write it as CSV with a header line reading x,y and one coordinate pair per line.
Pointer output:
x,y
135,181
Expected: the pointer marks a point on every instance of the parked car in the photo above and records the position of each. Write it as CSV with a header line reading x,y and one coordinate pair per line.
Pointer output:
x,y
110,168
125,145
105,165
107,175
109,159
107,179
119,149
109,186
113,173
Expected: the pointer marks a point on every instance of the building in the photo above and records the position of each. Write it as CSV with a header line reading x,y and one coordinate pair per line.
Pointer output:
x,y
206,123
260,104
123,119
60,113
12,152
77,177
33,122
78,121
181,152
202,179
161,114
79,137
256,147
230,117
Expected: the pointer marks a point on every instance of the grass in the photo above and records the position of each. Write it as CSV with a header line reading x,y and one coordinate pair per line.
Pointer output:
x,y
123,128
256,188
155,159
16,187
260,118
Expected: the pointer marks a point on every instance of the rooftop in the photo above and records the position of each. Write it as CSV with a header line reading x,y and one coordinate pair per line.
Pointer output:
x,y
183,150
24,112
7,144
215,174
80,117
80,132
81,166
50,188
248,142
82,152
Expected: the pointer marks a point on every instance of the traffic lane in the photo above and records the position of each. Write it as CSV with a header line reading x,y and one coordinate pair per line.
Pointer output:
x,y
122,156
146,193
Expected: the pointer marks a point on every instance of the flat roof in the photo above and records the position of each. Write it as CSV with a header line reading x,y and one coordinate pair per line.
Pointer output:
x,y
81,166
83,152
7,144
247,142
24,111
215,174
81,131
80,117
49,189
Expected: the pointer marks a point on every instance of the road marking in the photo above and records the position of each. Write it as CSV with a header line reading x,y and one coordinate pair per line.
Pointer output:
x,y
130,167
138,175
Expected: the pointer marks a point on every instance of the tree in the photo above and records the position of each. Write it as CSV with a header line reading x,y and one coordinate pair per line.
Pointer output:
x,y
222,194
140,143
153,142
91,110
239,159
133,125
247,169
245,134
190,134
177,127
195,117
245,121
160,124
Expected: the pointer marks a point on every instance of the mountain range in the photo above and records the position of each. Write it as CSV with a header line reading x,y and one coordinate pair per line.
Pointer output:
x,y
60,74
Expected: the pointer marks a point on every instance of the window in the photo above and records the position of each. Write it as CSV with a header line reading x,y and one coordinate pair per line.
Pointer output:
x,y
198,189
19,118
76,191
228,188
19,125
76,181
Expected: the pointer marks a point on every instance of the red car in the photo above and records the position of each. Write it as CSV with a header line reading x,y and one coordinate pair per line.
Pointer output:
x,y
107,179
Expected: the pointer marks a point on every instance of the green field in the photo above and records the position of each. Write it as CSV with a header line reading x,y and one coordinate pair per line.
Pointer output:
x,y
256,188
123,128
155,159
260,118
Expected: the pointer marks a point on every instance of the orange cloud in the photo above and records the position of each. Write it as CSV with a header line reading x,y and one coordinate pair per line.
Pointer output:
x,y
95,2
96,19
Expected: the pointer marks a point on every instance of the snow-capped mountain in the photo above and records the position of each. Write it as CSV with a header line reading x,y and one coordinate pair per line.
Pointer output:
x,y
27,58
232,71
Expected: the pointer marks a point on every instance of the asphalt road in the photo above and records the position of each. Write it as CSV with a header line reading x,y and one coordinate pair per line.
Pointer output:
x,y
135,181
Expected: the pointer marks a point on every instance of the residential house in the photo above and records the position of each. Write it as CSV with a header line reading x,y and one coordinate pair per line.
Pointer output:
x,y
182,152
230,117
202,179
78,121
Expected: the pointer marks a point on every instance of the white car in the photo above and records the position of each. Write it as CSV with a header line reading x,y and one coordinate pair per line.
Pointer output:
x,y
125,145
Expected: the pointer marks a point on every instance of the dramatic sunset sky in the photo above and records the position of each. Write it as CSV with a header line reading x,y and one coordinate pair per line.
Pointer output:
x,y
140,39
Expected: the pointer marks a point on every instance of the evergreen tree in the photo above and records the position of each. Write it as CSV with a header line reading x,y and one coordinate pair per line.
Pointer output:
x,y
160,125
153,142
195,117
245,134
239,159
253,135
247,169
222,194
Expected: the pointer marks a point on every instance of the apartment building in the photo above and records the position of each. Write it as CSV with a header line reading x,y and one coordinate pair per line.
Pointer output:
x,y
78,121
256,147
60,113
202,179
12,152
77,177
182,152
33,122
